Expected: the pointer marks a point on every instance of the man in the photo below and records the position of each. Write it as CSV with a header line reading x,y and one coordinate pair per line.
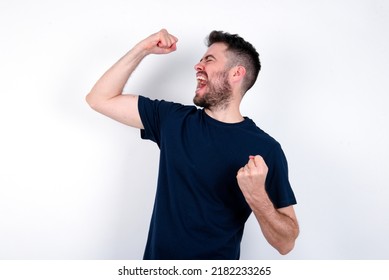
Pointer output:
x,y
216,166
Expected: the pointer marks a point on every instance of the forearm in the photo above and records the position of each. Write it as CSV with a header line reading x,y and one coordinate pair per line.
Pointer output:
x,y
279,226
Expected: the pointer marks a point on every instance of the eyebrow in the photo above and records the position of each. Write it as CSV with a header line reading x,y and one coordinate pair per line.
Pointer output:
x,y
207,57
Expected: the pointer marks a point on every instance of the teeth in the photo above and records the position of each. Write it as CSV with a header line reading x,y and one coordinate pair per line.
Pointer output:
x,y
202,81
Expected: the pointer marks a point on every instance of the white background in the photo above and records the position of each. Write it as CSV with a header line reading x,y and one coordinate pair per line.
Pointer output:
x,y
77,185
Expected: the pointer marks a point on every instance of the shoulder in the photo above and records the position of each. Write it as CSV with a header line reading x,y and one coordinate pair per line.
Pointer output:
x,y
266,145
260,134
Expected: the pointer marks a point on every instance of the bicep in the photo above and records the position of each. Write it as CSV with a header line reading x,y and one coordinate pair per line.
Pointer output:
x,y
122,108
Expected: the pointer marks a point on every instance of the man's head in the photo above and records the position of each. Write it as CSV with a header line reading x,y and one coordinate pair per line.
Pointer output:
x,y
239,52
229,65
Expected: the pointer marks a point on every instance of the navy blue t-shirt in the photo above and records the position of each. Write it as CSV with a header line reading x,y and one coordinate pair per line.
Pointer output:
x,y
199,210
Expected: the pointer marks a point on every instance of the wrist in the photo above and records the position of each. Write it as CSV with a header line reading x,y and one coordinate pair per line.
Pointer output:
x,y
140,50
260,203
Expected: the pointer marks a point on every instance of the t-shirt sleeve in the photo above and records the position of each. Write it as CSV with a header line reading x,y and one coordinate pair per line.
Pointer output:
x,y
150,116
277,181
153,114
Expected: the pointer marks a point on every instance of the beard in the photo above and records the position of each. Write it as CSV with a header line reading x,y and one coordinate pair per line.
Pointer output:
x,y
218,95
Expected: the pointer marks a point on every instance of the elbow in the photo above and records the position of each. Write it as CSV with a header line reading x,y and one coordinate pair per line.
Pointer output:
x,y
287,246
91,101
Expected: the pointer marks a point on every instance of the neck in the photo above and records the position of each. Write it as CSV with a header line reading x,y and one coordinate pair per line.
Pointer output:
x,y
226,115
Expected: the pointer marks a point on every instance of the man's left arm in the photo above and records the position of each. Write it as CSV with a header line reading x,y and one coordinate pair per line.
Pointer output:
x,y
279,226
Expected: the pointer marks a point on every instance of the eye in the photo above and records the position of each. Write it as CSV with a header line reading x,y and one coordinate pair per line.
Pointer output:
x,y
208,59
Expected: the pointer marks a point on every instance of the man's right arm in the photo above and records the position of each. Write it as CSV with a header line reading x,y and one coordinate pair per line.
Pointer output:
x,y
107,98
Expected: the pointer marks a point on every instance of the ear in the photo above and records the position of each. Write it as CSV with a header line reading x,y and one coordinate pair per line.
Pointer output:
x,y
238,73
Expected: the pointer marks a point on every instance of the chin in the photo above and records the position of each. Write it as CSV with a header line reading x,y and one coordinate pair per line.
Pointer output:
x,y
198,95
198,101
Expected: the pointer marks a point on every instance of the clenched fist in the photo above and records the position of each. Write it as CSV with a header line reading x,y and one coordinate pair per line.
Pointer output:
x,y
161,42
251,179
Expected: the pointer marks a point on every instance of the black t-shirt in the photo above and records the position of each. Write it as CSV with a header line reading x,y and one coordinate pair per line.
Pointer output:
x,y
199,210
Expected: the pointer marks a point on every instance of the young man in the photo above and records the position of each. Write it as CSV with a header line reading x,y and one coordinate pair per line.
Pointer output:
x,y
216,166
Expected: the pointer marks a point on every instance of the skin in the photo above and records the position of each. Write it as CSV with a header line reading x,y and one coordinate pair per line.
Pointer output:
x,y
279,226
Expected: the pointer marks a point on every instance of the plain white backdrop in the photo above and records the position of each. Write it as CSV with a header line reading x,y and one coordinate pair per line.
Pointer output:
x,y
77,185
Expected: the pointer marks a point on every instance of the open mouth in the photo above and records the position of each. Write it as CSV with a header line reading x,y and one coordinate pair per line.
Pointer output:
x,y
201,80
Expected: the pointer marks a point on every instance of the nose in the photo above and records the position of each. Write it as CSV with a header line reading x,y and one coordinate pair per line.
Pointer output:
x,y
199,67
